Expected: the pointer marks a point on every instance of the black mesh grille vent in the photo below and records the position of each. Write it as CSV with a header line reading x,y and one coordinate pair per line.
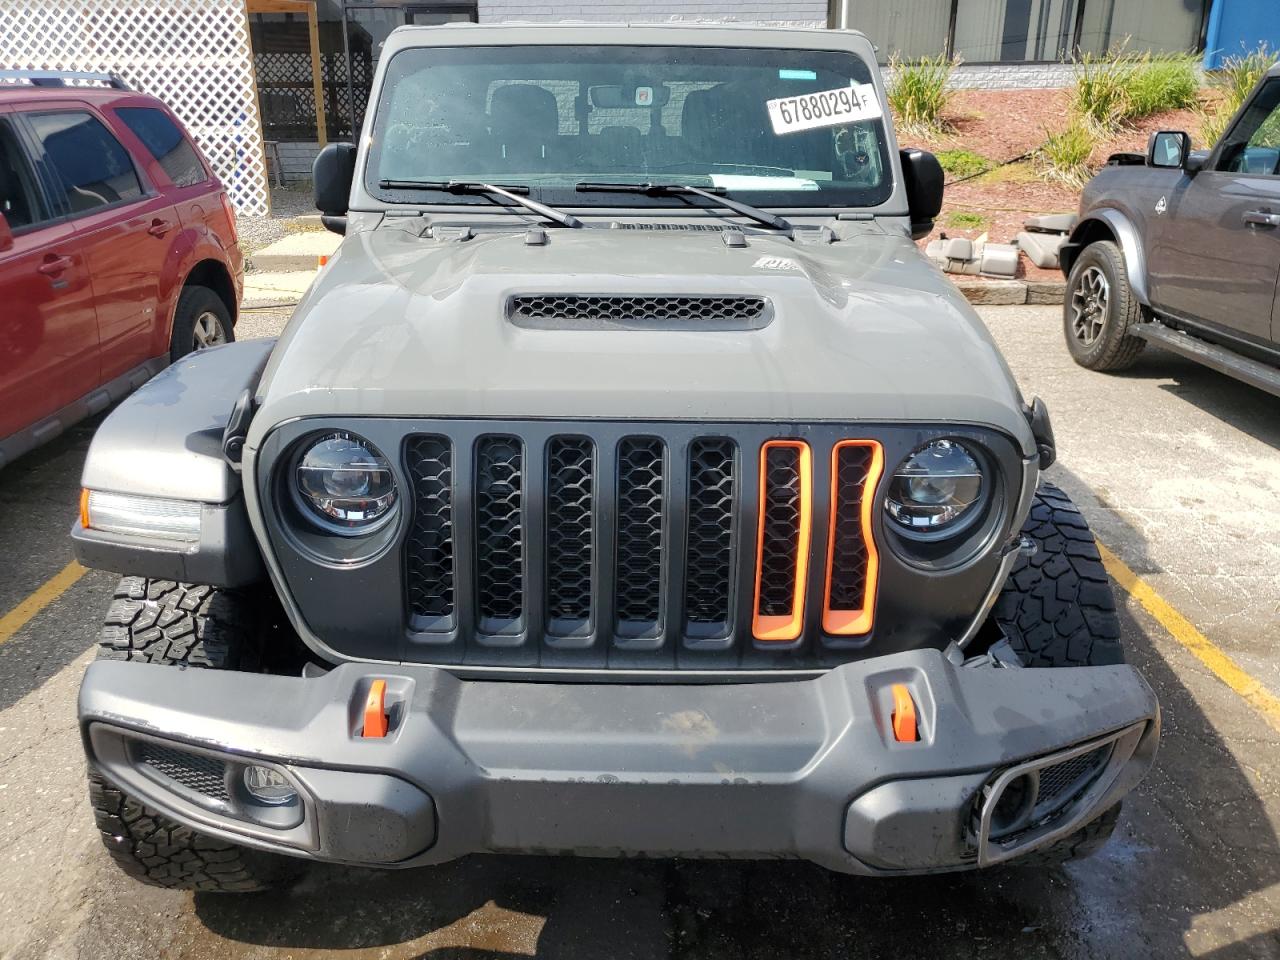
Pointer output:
x,y
430,545
499,531
849,553
641,477
1060,783
704,227
709,559
781,531
570,532
206,776
623,310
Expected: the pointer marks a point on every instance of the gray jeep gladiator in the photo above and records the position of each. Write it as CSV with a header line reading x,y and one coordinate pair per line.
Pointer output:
x,y
627,484
1182,249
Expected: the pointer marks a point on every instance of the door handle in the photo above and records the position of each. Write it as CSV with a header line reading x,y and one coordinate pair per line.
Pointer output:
x,y
159,228
54,264
1262,218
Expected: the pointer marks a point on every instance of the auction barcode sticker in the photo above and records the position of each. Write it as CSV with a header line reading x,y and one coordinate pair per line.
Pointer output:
x,y
825,108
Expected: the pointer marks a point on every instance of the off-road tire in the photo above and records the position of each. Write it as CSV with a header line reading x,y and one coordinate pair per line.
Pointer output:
x,y
1057,610
1115,348
194,303
179,624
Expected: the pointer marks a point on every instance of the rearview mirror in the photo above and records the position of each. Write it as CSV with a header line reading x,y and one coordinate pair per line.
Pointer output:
x,y
922,176
1168,149
6,235
331,178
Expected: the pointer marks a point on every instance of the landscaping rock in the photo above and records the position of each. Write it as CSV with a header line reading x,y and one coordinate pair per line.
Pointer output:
x,y
994,292
1046,291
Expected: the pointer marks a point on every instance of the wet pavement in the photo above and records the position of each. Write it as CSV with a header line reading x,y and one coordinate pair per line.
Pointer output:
x,y
1178,469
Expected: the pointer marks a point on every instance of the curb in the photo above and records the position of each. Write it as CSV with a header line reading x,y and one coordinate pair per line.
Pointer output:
x,y
1012,292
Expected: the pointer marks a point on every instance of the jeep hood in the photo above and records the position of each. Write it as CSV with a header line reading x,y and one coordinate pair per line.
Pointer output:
x,y
861,329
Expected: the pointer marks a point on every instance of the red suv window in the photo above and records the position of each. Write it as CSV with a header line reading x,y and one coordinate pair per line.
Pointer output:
x,y
161,136
92,167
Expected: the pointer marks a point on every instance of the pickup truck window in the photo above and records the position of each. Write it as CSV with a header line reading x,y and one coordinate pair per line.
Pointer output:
x,y
1253,145
551,116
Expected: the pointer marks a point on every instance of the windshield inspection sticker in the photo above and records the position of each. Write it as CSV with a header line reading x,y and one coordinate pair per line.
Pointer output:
x,y
825,108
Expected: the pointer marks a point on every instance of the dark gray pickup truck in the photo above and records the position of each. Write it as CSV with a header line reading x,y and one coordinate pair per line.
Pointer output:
x,y
1182,249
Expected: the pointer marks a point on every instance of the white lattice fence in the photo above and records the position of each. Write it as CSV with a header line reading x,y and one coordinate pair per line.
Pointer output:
x,y
192,54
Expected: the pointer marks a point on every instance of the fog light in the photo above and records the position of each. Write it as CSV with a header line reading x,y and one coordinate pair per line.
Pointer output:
x,y
269,786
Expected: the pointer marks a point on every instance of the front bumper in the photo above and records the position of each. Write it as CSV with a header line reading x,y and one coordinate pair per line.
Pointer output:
x,y
806,769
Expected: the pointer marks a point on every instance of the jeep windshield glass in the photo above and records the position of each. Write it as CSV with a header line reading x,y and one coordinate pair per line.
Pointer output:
x,y
550,117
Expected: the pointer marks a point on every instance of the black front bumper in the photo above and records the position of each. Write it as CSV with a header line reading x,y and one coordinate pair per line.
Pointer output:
x,y
806,769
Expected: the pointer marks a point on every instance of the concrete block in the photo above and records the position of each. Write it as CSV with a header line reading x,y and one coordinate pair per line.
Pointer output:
x,y
994,292
1046,291
297,251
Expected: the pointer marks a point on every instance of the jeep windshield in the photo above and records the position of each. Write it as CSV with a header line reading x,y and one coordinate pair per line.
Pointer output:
x,y
551,117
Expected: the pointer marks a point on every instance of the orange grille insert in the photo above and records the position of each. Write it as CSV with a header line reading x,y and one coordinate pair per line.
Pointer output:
x,y
784,531
853,564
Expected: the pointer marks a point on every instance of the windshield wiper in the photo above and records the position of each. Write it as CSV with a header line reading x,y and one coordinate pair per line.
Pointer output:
x,y
717,194
512,192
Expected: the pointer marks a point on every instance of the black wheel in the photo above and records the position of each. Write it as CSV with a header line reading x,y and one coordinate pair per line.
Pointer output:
x,y
179,624
1099,310
1057,610
200,320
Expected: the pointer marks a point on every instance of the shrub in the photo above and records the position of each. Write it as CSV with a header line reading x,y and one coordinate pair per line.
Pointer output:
x,y
918,94
1233,81
963,163
1065,154
965,220
1110,92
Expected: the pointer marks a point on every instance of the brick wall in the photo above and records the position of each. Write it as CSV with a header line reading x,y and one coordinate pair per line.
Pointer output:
x,y
1012,76
812,13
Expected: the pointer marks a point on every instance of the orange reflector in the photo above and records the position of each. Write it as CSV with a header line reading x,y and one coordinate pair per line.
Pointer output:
x,y
322,260
783,628
375,713
904,715
84,509
853,621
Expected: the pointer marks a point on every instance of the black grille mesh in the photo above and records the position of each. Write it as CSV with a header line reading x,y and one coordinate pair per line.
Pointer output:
x,y
206,776
499,529
641,477
709,557
636,309
570,533
781,531
1062,781
430,547
849,553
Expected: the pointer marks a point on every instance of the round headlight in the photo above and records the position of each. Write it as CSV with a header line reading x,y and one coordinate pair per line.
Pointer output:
x,y
936,488
346,483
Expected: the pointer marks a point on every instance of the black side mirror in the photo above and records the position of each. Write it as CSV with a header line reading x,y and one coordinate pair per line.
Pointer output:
x,y
1168,149
923,178
331,178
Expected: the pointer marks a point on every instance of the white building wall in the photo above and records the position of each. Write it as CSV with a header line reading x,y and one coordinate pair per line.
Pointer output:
x,y
808,13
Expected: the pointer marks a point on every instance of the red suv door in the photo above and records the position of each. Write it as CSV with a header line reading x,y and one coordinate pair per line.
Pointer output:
x,y
48,329
122,220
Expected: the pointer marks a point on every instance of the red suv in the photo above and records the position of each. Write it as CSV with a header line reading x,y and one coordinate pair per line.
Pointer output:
x,y
118,250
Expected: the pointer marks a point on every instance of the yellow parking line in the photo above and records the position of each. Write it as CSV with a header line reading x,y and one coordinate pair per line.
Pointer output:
x,y
1183,630
45,594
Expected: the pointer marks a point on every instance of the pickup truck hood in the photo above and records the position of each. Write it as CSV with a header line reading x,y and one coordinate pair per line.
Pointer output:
x,y
863,328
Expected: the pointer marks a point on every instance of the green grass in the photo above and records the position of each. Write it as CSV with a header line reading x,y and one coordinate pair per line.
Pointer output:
x,y
1065,154
966,220
963,163
1110,92
918,94
1234,81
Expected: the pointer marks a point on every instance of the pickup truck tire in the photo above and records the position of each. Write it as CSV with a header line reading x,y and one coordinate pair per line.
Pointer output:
x,y
1057,610
1099,310
200,320
179,624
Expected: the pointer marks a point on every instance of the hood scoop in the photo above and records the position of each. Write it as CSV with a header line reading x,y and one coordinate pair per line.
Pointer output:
x,y
600,312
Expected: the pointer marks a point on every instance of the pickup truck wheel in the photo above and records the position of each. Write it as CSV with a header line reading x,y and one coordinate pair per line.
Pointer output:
x,y
1057,610
188,625
1099,310
200,320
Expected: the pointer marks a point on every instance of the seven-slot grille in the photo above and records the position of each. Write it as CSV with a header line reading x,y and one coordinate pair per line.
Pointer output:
x,y
638,538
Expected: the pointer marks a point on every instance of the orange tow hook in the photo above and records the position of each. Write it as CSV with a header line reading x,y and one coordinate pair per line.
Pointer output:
x,y
904,715
375,712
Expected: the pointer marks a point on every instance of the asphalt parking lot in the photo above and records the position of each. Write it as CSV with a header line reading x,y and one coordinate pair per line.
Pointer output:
x,y
1178,469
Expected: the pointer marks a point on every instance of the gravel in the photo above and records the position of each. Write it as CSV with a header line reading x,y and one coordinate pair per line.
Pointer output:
x,y
291,211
